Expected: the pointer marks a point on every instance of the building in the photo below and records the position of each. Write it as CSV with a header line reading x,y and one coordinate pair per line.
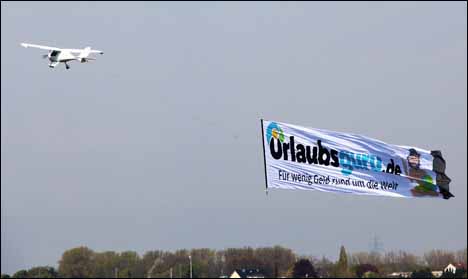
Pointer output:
x,y
436,274
399,275
247,273
453,267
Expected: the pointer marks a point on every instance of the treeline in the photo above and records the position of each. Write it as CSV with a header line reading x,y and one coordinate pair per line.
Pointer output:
x,y
277,261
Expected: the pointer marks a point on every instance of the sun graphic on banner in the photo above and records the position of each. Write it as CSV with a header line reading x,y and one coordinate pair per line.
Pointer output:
x,y
275,131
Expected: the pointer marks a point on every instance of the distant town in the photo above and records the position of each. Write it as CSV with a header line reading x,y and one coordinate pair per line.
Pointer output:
x,y
247,262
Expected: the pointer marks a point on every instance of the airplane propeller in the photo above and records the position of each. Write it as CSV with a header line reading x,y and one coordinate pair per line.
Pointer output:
x,y
45,56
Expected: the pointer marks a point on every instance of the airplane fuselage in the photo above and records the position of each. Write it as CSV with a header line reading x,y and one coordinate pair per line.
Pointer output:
x,y
56,57
61,56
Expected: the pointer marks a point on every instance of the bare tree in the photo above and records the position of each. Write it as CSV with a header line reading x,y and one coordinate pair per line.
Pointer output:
x,y
438,259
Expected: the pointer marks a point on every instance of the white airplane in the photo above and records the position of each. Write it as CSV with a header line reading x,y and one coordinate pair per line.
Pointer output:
x,y
63,55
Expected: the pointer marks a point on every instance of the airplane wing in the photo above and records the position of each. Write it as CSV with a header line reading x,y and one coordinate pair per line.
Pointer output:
x,y
40,47
81,50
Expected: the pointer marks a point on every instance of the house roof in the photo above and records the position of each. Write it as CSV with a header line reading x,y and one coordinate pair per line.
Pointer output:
x,y
457,265
245,273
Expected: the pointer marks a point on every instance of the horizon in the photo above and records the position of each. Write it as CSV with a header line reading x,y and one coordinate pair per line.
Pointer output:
x,y
299,256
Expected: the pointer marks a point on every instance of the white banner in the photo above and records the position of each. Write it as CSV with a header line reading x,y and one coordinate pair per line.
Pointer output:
x,y
315,159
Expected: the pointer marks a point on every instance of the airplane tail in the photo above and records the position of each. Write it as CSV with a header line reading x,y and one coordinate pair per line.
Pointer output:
x,y
86,51
83,57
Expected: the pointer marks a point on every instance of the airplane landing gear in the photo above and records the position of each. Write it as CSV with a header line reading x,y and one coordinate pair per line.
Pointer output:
x,y
66,66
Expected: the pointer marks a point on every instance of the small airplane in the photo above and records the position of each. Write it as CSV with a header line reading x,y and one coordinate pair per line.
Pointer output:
x,y
63,55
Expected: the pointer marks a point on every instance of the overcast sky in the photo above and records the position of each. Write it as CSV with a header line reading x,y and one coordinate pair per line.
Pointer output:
x,y
157,144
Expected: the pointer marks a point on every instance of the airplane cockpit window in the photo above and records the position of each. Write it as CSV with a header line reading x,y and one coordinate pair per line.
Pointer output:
x,y
54,53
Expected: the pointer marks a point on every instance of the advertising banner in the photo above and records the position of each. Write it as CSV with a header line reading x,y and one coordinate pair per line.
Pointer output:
x,y
315,159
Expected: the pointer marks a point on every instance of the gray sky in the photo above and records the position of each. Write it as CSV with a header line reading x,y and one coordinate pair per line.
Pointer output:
x,y
157,144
